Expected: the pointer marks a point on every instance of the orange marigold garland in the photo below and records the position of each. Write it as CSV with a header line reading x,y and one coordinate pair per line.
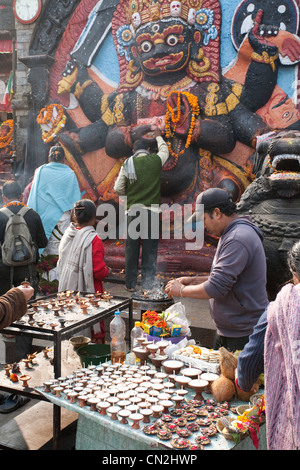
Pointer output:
x,y
51,119
173,118
6,140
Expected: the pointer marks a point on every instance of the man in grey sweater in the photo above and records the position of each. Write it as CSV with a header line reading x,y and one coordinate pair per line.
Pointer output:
x,y
236,286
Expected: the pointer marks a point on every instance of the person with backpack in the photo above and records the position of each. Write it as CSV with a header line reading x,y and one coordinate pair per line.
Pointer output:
x,y
20,240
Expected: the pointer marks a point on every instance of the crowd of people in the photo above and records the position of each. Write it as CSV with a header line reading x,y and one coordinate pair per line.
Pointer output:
x,y
266,333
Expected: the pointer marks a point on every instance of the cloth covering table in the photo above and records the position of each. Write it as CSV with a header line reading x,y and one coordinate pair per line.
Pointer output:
x,y
97,432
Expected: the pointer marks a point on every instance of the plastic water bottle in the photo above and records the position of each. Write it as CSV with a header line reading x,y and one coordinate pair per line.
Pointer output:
x,y
136,332
117,334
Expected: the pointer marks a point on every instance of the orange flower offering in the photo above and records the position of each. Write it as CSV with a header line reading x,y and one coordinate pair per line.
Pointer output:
x,y
5,140
51,119
173,119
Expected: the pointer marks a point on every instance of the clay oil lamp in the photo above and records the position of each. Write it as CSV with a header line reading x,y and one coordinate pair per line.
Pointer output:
x,y
141,340
46,352
27,363
99,370
113,411
152,400
84,308
107,297
35,307
136,418
210,377
124,403
198,385
7,369
81,401
182,392
53,325
57,391
102,406
162,346
70,305
25,283
124,414
25,379
72,396
166,404
40,323
142,395
92,402
30,315
163,396
157,410
152,347
169,387
142,354
47,386
157,360
182,380
56,311
191,372
177,399
172,366
135,400
158,387
161,375
146,412
113,400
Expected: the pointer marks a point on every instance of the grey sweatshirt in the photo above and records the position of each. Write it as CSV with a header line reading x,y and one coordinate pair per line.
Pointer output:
x,y
237,282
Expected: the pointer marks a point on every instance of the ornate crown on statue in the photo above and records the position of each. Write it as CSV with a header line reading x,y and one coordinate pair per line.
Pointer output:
x,y
145,11
202,16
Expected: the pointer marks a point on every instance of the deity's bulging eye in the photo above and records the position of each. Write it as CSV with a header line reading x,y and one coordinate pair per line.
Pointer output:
x,y
146,46
172,40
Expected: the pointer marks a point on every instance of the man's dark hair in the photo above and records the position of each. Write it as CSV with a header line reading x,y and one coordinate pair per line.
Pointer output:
x,y
227,209
141,144
12,190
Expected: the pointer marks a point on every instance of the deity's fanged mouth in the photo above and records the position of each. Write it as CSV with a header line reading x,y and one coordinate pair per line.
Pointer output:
x,y
163,62
285,166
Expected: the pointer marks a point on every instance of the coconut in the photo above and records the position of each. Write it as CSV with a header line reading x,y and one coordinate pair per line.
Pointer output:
x,y
228,363
223,389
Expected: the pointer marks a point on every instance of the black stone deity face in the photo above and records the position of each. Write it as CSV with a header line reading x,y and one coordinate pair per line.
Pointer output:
x,y
164,48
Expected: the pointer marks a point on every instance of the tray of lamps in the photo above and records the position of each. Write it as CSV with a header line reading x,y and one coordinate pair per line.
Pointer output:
x,y
54,311
199,357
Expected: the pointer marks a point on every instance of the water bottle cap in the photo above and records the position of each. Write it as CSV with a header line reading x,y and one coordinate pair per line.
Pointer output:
x,y
117,312
137,323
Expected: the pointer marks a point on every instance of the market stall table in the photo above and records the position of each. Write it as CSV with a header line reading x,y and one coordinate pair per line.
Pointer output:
x,y
92,429
42,321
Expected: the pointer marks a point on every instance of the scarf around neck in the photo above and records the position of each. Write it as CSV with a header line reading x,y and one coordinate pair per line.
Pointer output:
x,y
129,165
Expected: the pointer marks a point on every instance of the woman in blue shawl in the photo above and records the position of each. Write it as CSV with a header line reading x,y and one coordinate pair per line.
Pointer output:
x,y
53,193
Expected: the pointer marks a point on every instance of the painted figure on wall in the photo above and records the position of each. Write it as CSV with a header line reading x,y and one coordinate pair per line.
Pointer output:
x,y
169,55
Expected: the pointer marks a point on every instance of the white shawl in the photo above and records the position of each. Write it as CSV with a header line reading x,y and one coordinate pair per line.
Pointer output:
x,y
75,265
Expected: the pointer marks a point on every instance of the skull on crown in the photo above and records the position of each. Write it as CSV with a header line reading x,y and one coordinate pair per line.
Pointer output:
x,y
175,8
